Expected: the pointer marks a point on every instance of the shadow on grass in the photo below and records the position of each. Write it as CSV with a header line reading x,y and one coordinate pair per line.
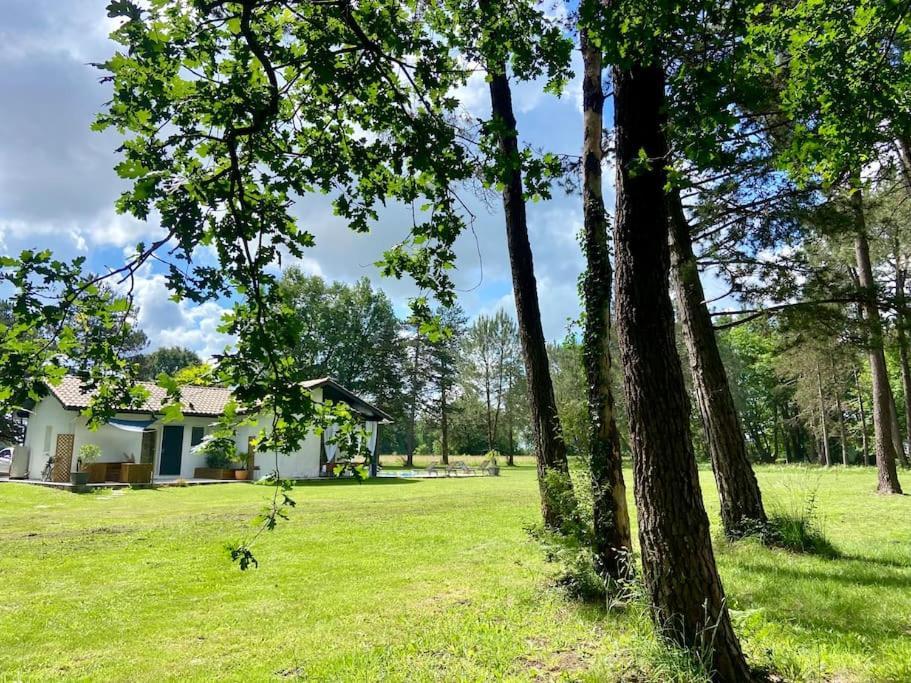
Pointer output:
x,y
375,481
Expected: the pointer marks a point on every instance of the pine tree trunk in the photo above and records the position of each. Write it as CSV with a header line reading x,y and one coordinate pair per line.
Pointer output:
x,y
738,490
896,430
882,411
489,406
824,458
612,535
776,430
444,422
511,456
412,418
679,571
863,419
550,447
841,422
902,335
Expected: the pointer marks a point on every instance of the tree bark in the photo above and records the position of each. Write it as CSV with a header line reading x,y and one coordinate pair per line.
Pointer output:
x,y
741,501
896,430
550,447
612,535
444,421
902,335
776,430
883,444
412,418
863,419
679,571
824,458
511,456
842,438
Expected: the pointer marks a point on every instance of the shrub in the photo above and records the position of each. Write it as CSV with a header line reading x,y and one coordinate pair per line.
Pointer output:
x,y
219,451
490,457
89,453
800,530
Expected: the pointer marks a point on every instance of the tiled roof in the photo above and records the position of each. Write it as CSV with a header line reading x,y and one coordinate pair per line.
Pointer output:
x,y
206,401
196,401
338,392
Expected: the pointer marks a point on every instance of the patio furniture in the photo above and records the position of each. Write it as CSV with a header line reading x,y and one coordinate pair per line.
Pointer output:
x,y
213,473
97,472
136,473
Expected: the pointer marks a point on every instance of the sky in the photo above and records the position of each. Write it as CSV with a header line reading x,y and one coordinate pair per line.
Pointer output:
x,y
58,186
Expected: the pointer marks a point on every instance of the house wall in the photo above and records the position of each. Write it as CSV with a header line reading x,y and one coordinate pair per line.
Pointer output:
x,y
188,461
302,464
114,442
47,413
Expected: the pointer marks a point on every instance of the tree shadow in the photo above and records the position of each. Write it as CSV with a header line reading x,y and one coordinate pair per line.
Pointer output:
x,y
373,481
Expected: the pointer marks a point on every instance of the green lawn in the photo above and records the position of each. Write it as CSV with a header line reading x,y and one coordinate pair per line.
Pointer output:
x,y
414,580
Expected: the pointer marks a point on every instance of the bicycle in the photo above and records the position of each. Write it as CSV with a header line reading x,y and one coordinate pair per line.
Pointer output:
x,y
48,469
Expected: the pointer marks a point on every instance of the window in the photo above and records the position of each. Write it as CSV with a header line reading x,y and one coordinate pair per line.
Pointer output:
x,y
48,432
196,435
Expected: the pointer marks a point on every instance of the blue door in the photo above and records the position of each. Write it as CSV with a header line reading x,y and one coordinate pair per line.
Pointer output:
x,y
171,450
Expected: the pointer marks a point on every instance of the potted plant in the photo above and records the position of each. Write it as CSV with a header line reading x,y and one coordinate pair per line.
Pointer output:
x,y
491,464
219,454
241,473
88,454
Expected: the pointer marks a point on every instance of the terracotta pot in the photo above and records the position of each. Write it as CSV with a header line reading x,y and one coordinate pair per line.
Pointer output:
x,y
241,475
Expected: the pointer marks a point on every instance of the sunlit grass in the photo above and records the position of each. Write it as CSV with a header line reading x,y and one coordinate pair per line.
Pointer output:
x,y
417,580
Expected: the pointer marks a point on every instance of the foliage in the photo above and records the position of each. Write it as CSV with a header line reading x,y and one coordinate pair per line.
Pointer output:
x,y
89,453
490,365
169,360
201,375
219,450
800,530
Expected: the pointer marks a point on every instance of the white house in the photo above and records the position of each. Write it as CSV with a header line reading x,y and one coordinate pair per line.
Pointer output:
x,y
56,428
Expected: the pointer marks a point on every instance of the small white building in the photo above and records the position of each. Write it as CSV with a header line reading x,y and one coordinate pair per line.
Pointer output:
x,y
56,428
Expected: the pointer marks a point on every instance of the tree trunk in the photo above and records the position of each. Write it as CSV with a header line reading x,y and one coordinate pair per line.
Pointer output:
x,y
612,535
776,430
901,334
884,446
489,404
511,456
824,458
412,418
550,447
738,490
679,571
841,421
896,430
444,422
863,419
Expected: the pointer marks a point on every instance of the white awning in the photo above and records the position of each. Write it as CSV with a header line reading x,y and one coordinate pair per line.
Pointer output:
x,y
131,425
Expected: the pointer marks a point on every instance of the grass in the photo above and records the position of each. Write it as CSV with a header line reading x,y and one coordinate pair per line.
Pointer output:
x,y
421,461
419,581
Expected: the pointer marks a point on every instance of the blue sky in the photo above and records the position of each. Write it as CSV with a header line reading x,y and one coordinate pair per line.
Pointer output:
x,y
57,186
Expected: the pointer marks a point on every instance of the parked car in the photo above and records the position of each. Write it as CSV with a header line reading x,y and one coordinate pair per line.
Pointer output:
x,y
6,457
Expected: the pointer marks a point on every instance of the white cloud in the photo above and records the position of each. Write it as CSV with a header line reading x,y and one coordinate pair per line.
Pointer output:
x,y
170,323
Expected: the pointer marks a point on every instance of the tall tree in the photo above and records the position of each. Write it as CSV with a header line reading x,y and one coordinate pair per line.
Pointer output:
x,y
612,538
444,363
351,333
742,510
488,352
416,381
550,448
883,412
679,570
168,360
